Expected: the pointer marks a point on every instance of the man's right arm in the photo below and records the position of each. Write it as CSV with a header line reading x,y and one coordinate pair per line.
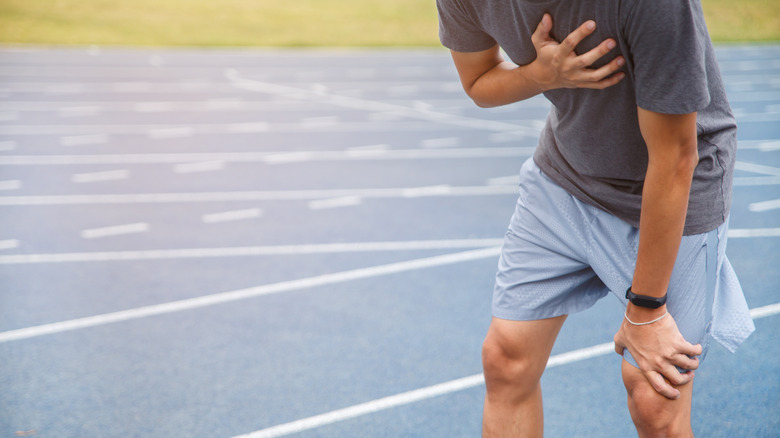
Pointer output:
x,y
492,81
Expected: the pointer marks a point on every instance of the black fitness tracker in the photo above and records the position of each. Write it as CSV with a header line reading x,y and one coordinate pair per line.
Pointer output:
x,y
645,300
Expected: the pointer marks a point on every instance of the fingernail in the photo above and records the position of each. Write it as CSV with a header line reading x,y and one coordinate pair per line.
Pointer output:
x,y
621,61
591,25
611,44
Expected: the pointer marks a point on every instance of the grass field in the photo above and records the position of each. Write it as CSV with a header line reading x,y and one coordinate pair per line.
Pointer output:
x,y
303,23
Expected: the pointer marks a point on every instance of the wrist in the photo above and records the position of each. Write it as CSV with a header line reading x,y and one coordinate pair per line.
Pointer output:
x,y
637,313
652,301
535,74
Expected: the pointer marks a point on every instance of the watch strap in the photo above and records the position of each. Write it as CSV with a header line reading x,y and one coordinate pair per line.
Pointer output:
x,y
645,300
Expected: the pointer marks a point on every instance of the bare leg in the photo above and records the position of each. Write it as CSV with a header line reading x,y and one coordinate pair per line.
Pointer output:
x,y
514,356
655,415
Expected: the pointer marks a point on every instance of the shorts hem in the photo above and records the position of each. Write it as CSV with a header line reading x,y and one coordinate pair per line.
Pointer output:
x,y
539,314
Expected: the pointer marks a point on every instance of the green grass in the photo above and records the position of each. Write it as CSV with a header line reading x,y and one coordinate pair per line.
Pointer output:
x,y
739,21
286,23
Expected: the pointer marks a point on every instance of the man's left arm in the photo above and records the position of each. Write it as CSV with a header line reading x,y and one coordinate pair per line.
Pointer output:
x,y
672,157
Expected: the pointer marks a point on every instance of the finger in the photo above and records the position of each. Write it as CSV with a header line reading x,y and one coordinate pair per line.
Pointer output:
x,y
542,32
579,34
661,386
604,83
604,71
686,362
677,378
597,52
689,349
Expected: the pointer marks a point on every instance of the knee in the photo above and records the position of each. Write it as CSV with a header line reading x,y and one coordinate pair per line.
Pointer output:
x,y
505,368
655,415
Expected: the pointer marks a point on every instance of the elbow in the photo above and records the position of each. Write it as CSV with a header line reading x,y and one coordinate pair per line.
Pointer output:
x,y
678,162
478,100
688,157
482,104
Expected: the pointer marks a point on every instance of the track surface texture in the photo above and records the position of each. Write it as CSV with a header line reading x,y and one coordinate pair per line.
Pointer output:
x,y
215,243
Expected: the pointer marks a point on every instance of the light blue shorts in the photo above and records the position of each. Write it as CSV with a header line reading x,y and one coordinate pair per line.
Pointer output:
x,y
561,255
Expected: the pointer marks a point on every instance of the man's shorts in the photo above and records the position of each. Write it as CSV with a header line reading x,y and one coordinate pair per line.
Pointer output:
x,y
561,255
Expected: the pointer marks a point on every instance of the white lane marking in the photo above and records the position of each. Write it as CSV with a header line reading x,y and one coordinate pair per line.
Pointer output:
x,y
403,90
757,168
289,157
757,181
108,175
284,195
9,244
368,408
505,180
81,140
417,112
374,151
762,145
344,201
445,388
55,88
245,251
242,294
437,190
319,122
764,205
203,166
268,157
387,116
510,136
132,87
446,142
224,104
758,117
754,232
211,105
7,116
6,146
12,184
96,233
233,215
240,128
153,107
765,311
165,133
79,111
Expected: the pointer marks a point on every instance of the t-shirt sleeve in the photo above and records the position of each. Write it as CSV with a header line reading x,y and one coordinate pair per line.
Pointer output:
x,y
458,30
667,40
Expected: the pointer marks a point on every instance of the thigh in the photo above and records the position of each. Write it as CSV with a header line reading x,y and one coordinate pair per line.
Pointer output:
x,y
543,270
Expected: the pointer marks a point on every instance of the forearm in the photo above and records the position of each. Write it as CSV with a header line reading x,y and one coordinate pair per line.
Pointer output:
x,y
504,84
664,206
673,157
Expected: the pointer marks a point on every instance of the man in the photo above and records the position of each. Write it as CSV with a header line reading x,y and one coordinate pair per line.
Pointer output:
x,y
628,191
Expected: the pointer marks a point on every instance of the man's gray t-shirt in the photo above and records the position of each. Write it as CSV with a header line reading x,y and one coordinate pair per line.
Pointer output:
x,y
591,144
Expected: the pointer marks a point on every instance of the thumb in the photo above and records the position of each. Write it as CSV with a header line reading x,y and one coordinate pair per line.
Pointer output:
x,y
542,32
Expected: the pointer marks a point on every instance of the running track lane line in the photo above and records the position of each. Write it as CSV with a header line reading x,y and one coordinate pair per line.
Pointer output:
x,y
442,389
312,248
240,294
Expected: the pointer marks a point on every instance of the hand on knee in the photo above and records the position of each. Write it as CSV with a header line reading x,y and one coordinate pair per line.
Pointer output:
x,y
653,414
